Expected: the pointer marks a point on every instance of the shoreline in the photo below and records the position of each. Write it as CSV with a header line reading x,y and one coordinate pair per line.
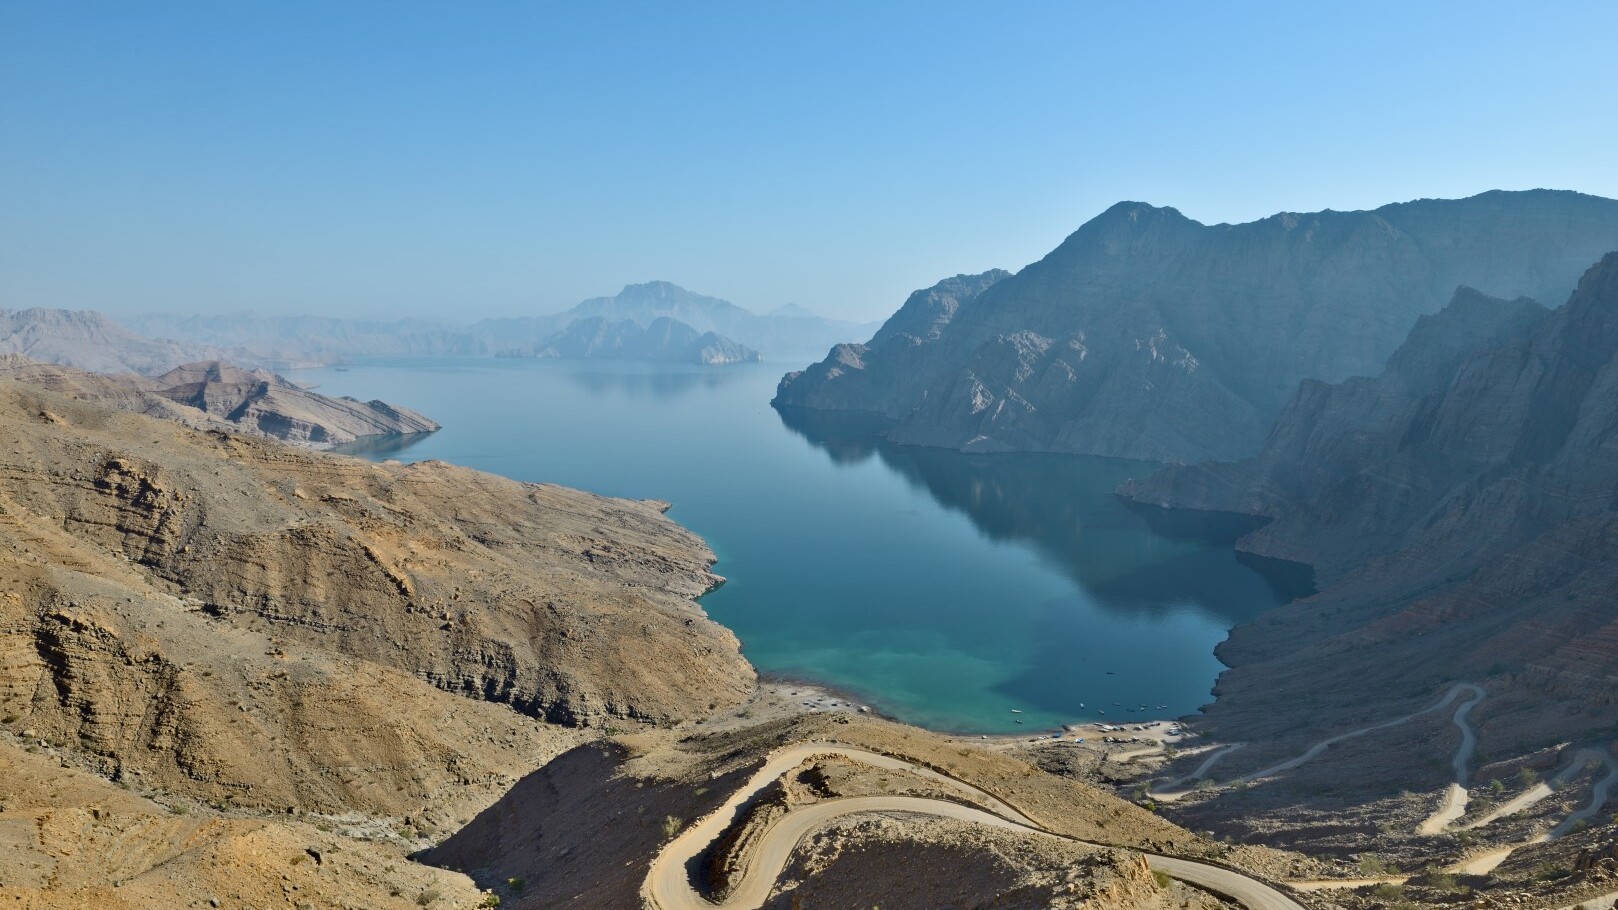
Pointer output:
x,y
808,696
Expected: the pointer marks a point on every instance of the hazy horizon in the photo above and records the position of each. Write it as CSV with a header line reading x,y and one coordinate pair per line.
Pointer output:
x,y
410,161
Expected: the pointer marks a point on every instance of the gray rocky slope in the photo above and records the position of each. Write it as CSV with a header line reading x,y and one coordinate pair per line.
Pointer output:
x,y
1460,510
1149,335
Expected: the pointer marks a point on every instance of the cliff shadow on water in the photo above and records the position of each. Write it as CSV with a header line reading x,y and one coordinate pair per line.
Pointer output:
x,y
1129,558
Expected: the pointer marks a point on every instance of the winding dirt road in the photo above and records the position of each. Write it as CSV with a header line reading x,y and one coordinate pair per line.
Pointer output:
x,y
668,885
1314,751
1468,743
1456,796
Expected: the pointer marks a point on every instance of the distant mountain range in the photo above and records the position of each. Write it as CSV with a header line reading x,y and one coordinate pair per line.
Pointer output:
x,y
86,340
787,331
1149,335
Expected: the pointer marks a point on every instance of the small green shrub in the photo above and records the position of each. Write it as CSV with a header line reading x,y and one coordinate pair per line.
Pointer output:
x,y
1549,872
1371,866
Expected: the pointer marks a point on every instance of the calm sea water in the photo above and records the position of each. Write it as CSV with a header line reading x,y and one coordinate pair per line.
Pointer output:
x,y
944,589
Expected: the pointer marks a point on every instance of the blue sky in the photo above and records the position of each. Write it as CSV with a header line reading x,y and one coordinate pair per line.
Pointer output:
x,y
486,158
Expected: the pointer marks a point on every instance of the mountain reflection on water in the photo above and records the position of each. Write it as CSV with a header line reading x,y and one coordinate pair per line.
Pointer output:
x,y
1062,505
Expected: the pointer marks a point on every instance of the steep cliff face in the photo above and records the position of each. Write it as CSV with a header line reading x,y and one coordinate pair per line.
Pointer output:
x,y
841,382
1149,335
1460,508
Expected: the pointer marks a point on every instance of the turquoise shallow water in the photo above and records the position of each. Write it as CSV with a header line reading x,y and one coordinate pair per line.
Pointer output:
x,y
944,589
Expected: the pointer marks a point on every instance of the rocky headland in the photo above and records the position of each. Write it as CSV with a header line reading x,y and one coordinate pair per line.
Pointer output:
x,y
219,396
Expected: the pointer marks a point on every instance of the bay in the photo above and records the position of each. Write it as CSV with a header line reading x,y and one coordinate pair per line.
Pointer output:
x,y
941,588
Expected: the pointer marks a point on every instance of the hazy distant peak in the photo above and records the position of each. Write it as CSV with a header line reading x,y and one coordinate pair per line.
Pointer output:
x,y
792,311
88,340
655,292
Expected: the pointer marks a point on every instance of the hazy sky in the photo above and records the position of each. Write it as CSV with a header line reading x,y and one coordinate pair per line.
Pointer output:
x,y
483,158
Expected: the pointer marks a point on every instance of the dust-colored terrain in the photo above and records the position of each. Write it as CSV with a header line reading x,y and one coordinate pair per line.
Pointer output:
x,y
246,637
587,829
213,395
71,840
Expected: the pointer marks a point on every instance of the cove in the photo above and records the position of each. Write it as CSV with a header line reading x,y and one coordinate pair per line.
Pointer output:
x,y
941,588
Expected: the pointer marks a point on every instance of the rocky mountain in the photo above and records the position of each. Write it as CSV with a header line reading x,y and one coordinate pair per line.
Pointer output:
x,y
664,339
218,396
1149,335
1460,512
88,341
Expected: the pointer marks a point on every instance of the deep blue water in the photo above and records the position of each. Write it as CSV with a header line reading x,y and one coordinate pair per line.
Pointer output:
x,y
944,589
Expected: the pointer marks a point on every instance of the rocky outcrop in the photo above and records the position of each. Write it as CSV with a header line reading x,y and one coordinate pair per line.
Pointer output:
x,y
276,407
1148,335
663,339
218,396
1460,511
88,341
